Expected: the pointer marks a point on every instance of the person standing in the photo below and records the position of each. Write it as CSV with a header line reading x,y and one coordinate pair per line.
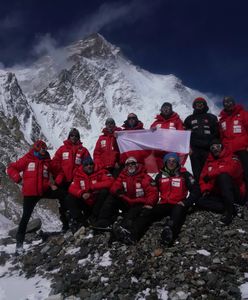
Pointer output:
x,y
204,128
132,123
65,161
234,132
106,153
167,119
36,170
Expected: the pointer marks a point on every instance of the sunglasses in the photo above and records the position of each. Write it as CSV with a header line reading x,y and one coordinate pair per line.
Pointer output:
x,y
132,163
215,147
88,164
172,161
74,135
132,118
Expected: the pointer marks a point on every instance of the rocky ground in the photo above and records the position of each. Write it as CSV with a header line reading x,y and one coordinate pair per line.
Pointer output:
x,y
208,261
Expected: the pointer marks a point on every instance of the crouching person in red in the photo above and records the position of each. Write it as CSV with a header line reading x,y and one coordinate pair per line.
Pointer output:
x,y
36,168
177,192
87,193
221,182
134,193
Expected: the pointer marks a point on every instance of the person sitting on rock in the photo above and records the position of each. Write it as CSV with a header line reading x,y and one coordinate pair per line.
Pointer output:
x,y
221,182
36,170
177,192
65,161
87,193
106,153
234,132
132,123
134,194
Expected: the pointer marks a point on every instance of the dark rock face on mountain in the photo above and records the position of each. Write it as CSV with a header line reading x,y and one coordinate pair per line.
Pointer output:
x,y
208,261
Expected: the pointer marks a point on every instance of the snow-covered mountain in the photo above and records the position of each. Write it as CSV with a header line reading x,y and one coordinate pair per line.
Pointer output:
x,y
97,82
80,86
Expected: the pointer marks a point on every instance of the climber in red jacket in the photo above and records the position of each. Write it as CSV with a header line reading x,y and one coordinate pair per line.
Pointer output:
x,y
106,153
134,193
167,119
36,170
87,193
221,182
65,161
234,132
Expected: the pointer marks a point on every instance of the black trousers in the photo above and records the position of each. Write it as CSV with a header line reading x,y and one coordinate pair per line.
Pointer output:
x,y
63,210
223,201
135,217
198,158
80,211
177,214
29,203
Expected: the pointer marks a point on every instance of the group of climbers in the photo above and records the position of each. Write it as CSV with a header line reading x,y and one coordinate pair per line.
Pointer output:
x,y
95,191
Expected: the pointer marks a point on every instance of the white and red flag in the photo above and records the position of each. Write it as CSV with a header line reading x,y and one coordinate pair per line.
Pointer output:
x,y
148,146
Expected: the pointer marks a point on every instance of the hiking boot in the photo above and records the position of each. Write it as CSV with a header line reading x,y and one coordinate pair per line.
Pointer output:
x,y
122,234
226,219
19,248
102,225
167,236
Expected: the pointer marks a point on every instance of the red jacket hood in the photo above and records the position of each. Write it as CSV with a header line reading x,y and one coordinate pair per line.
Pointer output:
x,y
237,108
225,152
174,117
140,125
106,132
31,155
68,143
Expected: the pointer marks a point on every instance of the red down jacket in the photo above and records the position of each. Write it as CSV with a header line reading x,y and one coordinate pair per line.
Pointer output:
x,y
35,173
173,189
66,159
136,188
83,183
106,152
234,128
174,122
226,163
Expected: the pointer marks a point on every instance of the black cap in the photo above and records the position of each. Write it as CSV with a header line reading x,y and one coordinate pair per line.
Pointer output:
x,y
166,104
75,132
110,121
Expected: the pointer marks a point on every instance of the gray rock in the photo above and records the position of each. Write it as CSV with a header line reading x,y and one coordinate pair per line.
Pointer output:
x,y
33,226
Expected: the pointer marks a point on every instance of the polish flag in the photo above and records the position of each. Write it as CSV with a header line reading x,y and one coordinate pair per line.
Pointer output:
x,y
148,146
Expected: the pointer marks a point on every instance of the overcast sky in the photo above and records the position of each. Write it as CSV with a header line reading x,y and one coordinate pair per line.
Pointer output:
x,y
203,42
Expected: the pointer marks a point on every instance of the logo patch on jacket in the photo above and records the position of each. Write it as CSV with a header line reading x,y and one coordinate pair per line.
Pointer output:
x,y
124,185
172,126
176,182
31,166
45,172
65,155
237,129
223,125
78,159
82,184
103,143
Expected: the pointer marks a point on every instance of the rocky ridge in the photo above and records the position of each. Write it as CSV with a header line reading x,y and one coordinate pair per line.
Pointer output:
x,y
208,261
